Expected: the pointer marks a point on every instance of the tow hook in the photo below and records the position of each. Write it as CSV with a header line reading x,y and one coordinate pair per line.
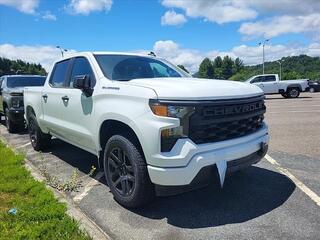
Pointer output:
x,y
263,149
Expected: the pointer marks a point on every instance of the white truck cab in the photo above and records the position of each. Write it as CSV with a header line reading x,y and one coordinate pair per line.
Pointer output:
x,y
271,84
150,124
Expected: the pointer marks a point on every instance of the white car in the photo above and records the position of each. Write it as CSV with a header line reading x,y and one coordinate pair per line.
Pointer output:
x,y
271,84
151,125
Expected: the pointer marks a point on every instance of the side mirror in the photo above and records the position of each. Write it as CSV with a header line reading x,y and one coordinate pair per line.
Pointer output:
x,y
83,82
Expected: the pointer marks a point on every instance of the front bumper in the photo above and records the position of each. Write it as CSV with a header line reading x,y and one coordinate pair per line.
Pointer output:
x,y
196,157
16,115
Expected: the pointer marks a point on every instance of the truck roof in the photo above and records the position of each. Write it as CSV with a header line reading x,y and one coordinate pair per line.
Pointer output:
x,y
106,53
23,75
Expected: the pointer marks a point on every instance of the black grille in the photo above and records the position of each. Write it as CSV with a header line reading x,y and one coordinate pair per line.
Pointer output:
x,y
223,120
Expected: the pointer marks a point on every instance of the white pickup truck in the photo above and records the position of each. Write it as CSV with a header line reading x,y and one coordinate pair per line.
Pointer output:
x,y
271,84
151,125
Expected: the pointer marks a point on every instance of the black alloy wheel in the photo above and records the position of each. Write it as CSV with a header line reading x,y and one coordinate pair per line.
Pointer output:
x,y
121,172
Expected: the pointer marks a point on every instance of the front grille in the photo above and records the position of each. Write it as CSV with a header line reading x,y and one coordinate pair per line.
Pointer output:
x,y
222,120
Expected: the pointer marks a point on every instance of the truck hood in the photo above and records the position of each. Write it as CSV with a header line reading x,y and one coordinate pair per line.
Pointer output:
x,y
16,90
197,88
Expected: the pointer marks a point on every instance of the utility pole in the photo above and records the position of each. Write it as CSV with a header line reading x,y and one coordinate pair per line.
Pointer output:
x,y
61,50
263,43
280,69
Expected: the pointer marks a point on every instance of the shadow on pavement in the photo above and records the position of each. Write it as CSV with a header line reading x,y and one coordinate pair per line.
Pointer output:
x,y
72,155
246,195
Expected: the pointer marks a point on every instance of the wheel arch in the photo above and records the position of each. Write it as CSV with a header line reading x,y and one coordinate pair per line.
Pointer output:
x,y
111,127
294,86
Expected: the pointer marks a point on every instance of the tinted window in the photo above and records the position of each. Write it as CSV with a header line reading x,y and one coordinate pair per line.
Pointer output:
x,y
81,66
257,79
269,79
125,67
59,73
13,82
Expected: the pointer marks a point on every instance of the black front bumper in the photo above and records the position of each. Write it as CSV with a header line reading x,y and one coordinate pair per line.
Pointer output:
x,y
16,115
209,173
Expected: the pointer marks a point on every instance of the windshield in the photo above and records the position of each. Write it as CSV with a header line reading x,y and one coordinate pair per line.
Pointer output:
x,y
126,67
13,82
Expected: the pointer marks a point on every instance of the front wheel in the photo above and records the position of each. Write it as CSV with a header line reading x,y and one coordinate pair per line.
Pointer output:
x,y
293,92
11,127
126,172
311,90
39,140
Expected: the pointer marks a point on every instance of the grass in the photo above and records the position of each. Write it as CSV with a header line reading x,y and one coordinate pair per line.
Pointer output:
x,y
39,214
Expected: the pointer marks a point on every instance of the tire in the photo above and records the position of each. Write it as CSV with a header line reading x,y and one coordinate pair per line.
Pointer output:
x,y
126,172
284,95
11,127
39,140
311,90
293,92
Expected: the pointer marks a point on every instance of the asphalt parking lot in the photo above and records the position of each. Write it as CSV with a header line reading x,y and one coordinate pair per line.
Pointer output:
x,y
258,203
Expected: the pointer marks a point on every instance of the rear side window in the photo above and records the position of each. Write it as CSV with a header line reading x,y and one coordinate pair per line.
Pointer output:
x,y
59,73
269,79
81,66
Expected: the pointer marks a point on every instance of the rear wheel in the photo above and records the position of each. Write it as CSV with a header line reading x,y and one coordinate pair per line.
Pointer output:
x,y
293,92
11,127
126,172
311,90
39,140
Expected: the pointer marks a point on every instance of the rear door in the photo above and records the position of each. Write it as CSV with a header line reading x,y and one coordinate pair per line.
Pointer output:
x,y
270,84
77,110
53,98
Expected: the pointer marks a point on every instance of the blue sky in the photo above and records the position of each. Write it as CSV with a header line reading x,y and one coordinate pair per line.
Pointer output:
x,y
182,31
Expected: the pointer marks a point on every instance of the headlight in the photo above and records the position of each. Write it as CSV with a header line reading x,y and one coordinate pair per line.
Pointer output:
x,y
170,136
15,102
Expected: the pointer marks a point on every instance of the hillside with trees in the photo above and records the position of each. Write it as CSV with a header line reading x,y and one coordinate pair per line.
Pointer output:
x,y
8,66
294,67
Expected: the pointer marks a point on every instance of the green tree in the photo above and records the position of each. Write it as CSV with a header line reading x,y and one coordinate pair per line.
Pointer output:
x,y
227,67
217,62
237,65
183,68
206,69
8,66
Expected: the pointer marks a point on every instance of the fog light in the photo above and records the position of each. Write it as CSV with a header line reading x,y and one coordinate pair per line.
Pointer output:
x,y
169,137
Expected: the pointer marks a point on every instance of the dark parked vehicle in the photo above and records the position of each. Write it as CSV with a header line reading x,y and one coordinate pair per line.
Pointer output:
x,y
11,97
314,86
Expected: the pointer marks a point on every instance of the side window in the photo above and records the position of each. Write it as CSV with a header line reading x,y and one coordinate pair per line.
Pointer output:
x,y
270,78
257,79
81,66
59,73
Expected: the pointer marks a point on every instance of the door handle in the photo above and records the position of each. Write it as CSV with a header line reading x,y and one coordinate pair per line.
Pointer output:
x,y
45,96
65,98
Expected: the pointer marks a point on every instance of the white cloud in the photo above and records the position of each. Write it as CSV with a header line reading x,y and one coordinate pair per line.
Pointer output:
x,y
49,16
170,50
85,7
45,55
173,18
215,11
281,25
285,16
191,58
25,6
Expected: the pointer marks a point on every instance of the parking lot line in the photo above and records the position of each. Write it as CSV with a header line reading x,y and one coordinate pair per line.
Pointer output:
x,y
311,194
93,182
24,145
